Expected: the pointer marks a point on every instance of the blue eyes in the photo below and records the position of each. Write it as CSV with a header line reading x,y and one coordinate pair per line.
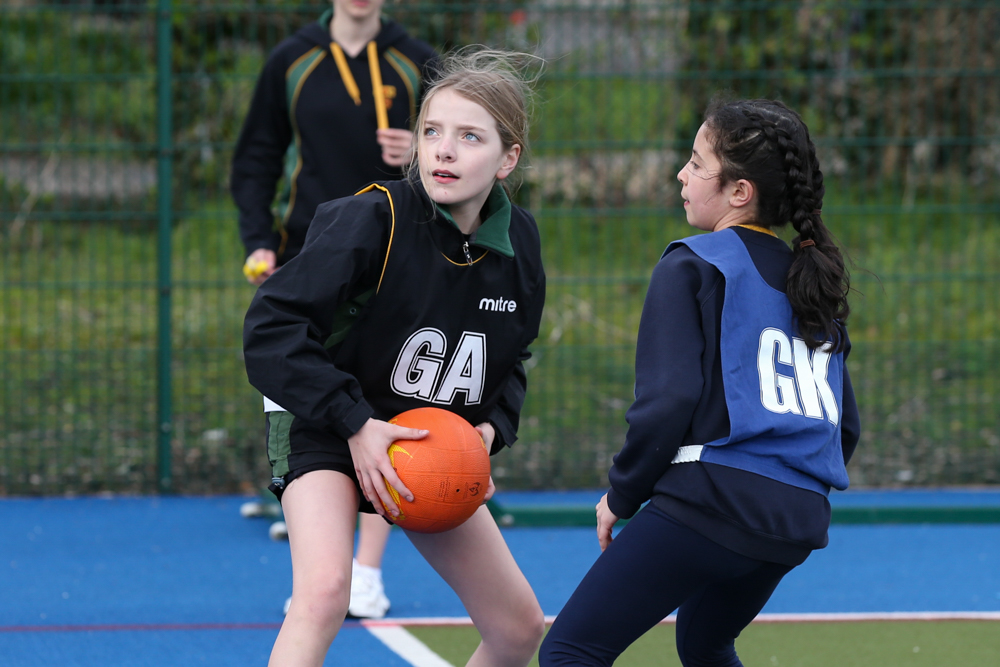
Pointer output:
x,y
468,136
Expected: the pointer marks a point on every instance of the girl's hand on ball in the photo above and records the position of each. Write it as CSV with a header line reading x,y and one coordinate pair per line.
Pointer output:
x,y
369,450
487,433
606,520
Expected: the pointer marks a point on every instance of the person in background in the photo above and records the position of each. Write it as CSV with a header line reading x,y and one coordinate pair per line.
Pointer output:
x,y
331,112
744,415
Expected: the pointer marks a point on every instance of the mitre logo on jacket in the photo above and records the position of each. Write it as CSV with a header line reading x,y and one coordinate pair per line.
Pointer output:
x,y
498,305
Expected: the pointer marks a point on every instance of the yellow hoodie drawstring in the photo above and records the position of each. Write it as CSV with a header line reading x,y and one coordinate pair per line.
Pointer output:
x,y
381,115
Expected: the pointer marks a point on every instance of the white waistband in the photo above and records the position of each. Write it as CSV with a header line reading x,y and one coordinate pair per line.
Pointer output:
x,y
688,454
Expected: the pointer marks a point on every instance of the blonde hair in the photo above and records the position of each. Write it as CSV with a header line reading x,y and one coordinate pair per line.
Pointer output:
x,y
500,82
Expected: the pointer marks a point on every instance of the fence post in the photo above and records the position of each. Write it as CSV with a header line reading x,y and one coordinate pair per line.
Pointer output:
x,y
164,131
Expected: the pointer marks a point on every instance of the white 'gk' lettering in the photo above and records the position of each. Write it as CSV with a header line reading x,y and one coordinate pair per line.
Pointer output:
x,y
809,391
418,368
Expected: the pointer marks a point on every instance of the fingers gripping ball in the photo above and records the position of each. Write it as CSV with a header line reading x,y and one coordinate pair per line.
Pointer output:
x,y
448,471
254,267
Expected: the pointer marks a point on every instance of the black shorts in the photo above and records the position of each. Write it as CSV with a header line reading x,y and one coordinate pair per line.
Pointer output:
x,y
295,448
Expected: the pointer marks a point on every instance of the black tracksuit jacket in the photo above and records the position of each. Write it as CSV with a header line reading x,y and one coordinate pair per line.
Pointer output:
x,y
437,331
303,124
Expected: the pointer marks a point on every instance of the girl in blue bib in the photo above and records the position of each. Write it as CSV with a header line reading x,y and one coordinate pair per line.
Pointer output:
x,y
744,416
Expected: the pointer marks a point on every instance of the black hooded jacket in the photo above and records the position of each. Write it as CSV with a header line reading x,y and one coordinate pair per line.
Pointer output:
x,y
305,124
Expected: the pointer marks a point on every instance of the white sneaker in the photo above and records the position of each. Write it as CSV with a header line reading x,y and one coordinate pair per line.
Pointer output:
x,y
278,531
368,598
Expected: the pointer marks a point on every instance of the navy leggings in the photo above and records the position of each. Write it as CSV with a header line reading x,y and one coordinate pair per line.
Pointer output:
x,y
654,566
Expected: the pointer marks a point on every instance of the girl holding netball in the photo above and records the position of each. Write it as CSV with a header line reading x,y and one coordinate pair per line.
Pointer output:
x,y
744,416
387,308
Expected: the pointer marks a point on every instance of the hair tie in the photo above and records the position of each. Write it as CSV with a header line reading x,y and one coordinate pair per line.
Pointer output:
x,y
817,212
806,243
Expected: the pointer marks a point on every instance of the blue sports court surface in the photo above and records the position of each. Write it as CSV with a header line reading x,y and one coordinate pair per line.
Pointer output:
x,y
177,581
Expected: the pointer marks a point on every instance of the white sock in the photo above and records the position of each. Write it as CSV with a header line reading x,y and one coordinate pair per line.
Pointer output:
x,y
358,567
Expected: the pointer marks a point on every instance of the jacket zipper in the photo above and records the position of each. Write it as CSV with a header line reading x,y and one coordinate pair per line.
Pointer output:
x,y
468,255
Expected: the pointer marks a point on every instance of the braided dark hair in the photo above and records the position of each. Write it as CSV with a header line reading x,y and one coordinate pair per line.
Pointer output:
x,y
768,144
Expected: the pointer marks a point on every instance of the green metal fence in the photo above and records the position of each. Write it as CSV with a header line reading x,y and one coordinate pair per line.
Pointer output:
x,y
121,297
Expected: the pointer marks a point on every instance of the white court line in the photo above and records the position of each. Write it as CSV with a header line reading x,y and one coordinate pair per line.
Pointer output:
x,y
761,618
881,616
407,646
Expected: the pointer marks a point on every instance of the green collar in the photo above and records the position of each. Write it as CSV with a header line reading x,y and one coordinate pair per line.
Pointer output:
x,y
494,233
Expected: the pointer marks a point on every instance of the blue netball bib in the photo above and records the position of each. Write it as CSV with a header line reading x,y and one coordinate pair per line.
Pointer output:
x,y
785,401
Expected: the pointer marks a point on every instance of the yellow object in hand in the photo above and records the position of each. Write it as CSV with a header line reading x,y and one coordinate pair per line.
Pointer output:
x,y
254,267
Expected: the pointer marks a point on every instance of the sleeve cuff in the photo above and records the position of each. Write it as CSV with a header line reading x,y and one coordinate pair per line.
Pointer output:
x,y
622,507
505,434
354,419
270,241
499,439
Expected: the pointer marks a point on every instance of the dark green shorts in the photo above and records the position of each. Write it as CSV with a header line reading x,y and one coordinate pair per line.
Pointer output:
x,y
295,448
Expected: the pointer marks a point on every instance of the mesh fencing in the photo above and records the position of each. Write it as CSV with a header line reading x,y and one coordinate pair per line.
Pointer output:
x,y
121,296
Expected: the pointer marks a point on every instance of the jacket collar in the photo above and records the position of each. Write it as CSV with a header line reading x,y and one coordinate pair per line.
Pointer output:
x,y
494,233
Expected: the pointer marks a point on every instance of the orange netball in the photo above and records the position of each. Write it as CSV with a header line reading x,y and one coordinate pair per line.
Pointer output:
x,y
448,471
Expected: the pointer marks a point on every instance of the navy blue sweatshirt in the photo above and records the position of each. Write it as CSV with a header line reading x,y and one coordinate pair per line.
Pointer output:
x,y
304,125
681,401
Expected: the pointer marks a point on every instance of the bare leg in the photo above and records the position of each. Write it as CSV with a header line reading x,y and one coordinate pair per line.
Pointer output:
x,y
368,598
320,509
476,563
372,538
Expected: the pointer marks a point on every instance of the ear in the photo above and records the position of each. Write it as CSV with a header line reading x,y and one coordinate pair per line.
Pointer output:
x,y
742,193
509,162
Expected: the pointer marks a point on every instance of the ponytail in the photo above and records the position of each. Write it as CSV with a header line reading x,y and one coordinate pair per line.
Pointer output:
x,y
765,142
818,282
